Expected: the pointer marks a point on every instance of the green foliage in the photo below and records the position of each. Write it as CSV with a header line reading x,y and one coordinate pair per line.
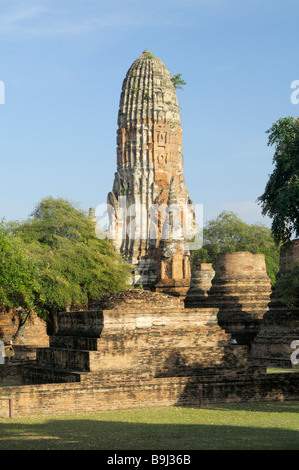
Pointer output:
x,y
149,56
178,81
287,286
229,233
17,274
280,200
72,265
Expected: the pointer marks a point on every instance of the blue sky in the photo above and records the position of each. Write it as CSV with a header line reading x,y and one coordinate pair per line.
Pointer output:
x,y
63,63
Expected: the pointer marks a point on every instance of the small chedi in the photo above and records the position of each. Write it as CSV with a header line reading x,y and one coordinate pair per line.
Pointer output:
x,y
280,326
202,275
241,290
149,202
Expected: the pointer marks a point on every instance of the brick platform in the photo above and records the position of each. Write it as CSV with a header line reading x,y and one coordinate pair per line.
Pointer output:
x,y
145,350
141,332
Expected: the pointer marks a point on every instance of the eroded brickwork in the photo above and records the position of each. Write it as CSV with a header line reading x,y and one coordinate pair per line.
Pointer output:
x,y
26,338
32,333
169,391
280,325
139,348
140,332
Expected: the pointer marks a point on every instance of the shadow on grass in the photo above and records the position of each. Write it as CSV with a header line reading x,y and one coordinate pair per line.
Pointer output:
x,y
84,434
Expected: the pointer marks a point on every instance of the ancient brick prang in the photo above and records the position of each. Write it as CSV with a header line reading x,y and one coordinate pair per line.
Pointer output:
x,y
280,325
241,290
149,175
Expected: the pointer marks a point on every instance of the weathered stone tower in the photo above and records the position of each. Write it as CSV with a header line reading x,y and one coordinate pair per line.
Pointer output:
x,y
150,209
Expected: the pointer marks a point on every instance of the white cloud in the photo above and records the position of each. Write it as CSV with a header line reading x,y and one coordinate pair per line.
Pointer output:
x,y
249,211
12,20
53,19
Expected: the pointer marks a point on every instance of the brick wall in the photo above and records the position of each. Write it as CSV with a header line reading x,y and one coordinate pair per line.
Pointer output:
x,y
33,333
31,336
166,391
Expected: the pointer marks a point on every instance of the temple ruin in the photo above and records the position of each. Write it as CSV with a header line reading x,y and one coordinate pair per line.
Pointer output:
x,y
184,339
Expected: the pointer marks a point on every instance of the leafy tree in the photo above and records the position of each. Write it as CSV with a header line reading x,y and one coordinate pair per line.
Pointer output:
x,y
229,233
178,81
280,200
17,273
74,267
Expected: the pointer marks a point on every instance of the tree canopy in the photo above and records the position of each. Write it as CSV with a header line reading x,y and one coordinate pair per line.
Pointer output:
x,y
280,200
229,233
71,265
17,273
178,81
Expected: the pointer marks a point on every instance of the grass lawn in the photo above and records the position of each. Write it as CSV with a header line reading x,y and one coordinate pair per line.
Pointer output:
x,y
244,426
279,370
